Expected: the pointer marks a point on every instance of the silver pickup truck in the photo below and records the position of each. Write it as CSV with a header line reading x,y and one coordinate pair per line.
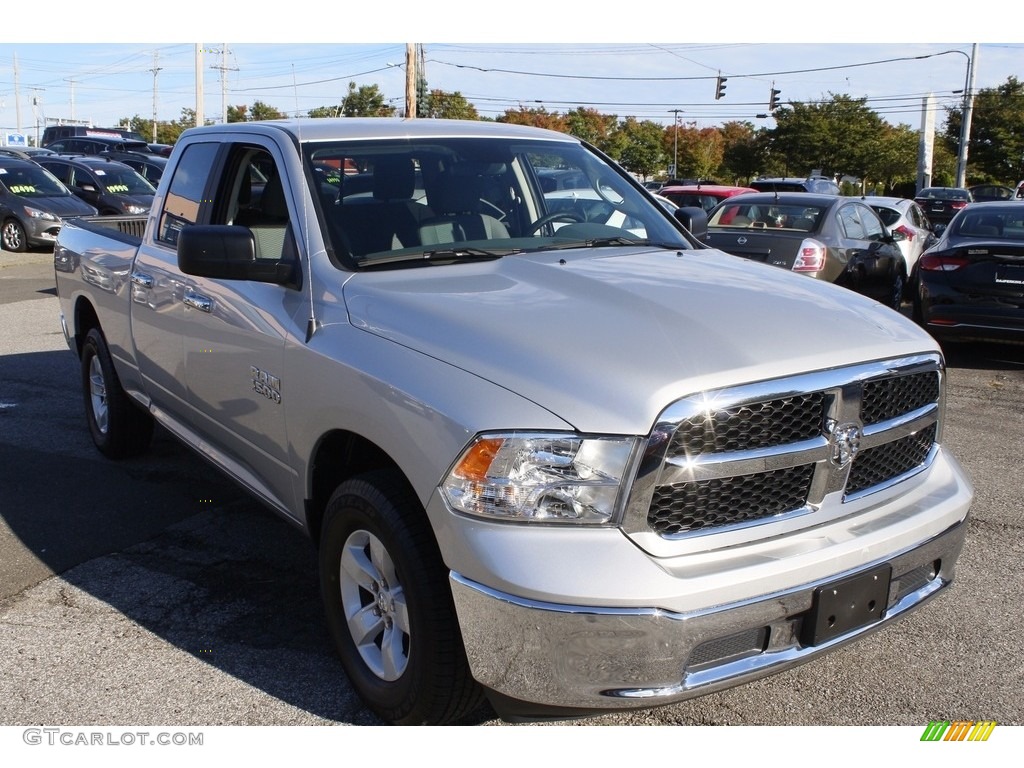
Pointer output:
x,y
553,451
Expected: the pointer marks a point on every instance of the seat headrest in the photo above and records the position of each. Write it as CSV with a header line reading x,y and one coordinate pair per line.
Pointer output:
x,y
394,178
272,201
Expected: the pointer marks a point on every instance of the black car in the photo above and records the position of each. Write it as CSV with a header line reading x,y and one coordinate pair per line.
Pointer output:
x,y
838,239
941,204
110,186
971,282
814,184
150,167
33,205
987,192
97,145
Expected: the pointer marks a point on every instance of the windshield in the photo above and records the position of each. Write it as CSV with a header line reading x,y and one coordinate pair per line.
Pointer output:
x,y
386,202
767,215
32,182
123,181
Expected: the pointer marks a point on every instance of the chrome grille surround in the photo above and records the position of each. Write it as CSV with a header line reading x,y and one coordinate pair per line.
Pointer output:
x,y
712,464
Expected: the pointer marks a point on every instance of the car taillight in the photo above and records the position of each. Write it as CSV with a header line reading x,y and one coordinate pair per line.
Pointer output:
x,y
956,205
906,231
939,263
810,257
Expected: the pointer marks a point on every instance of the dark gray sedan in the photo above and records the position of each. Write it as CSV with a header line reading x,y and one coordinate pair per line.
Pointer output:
x,y
33,205
838,239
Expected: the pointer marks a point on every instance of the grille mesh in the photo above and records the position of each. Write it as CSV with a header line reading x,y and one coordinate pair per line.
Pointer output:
x,y
684,507
747,427
884,462
888,398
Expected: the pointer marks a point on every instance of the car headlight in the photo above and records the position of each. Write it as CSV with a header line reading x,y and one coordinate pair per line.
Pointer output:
x,y
550,478
130,208
35,213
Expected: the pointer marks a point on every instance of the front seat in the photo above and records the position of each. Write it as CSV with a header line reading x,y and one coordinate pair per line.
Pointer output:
x,y
458,218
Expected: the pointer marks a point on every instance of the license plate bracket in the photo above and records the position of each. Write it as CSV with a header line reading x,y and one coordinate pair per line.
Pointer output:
x,y
847,604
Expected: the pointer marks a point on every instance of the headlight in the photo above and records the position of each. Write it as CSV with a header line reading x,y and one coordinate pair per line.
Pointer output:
x,y
35,213
541,477
130,208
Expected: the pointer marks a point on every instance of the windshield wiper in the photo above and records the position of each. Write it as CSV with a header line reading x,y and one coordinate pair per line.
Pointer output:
x,y
439,256
600,242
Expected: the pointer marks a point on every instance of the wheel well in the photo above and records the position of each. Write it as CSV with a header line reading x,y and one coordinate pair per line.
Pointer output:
x,y
339,456
85,320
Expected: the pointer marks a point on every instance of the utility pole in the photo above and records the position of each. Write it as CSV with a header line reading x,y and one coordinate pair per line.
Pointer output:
x,y
223,82
200,119
965,118
72,81
17,96
154,70
410,80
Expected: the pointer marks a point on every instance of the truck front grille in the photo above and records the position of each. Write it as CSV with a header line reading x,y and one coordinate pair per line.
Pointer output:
x,y
757,453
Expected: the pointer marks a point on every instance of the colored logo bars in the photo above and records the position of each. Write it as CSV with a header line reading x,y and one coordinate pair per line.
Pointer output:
x,y
958,730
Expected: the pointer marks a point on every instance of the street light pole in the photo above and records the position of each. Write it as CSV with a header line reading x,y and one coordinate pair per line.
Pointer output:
x,y
675,143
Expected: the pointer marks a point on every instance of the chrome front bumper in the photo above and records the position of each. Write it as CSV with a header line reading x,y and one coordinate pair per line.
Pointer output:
x,y
543,659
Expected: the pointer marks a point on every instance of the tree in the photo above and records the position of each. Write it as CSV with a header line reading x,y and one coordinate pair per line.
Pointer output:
x,y
262,111
592,126
835,135
643,153
451,106
893,161
742,151
539,118
325,111
996,148
700,150
365,101
238,113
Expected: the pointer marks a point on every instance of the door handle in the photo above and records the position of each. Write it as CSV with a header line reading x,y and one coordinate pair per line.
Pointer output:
x,y
198,301
142,280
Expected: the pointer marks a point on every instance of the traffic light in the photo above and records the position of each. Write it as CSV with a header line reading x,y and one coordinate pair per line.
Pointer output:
x,y
720,87
773,101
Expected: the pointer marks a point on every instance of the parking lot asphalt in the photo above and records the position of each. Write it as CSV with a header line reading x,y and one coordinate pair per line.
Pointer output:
x,y
152,591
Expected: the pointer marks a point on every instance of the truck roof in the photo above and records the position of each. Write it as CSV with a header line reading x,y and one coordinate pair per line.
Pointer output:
x,y
323,129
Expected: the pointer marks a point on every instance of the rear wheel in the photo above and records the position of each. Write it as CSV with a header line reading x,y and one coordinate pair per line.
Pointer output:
x,y
389,607
13,236
118,426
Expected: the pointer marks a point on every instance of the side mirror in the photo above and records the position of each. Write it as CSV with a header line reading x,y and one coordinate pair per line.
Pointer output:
x,y
694,219
228,252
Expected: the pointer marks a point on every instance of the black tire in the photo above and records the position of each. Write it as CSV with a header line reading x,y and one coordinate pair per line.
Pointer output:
x,y
13,236
119,427
897,288
410,667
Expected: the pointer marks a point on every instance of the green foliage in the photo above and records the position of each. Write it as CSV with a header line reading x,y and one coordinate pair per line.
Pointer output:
x,y
449,106
643,153
996,149
365,101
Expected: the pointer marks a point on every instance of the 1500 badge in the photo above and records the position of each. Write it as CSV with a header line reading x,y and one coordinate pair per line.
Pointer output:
x,y
266,384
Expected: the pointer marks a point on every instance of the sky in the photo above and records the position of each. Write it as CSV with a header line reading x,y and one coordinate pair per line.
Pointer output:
x,y
531,53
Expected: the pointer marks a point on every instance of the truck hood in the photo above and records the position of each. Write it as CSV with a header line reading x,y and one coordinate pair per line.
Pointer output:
x,y
606,338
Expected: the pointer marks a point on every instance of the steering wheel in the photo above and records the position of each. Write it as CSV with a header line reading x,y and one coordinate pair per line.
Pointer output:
x,y
550,217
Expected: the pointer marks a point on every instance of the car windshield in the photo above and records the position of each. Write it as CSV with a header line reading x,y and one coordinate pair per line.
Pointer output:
x,y
767,215
123,181
32,182
1005,224
441,199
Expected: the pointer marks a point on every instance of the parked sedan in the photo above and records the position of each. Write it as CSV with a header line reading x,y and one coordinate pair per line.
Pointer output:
x,y
905,217
941,204
971,282
110,186
33,205
838,239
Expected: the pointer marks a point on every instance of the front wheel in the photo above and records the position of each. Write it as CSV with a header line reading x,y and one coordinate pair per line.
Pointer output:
x,y
119,428
13,236
389,607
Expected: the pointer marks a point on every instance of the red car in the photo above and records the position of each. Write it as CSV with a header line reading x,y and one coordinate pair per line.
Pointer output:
x,y
705,196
